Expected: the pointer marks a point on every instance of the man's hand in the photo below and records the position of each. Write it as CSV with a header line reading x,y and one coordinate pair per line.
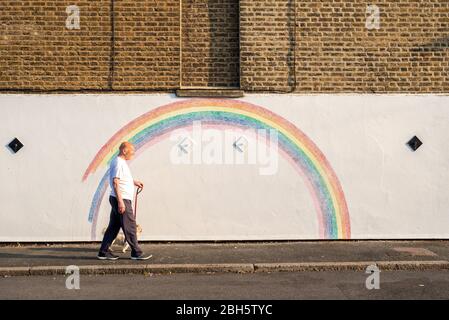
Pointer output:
x,y
138,184
121,207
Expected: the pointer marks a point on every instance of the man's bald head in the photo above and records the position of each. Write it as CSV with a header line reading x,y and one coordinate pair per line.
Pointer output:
x,y
126,150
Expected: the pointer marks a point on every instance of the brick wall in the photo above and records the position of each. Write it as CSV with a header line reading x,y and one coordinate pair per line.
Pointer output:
x,y
409,53
38,52
335,52
146,44
267,45
327,49
210,43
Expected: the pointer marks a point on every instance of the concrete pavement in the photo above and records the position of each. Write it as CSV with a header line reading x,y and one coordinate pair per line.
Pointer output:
x,y
223,286
237,257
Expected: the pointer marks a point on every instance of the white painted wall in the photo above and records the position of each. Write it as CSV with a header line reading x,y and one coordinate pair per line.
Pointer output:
x,y
391,191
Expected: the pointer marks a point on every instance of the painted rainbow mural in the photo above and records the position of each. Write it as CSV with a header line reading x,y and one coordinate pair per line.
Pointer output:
x,y
147,129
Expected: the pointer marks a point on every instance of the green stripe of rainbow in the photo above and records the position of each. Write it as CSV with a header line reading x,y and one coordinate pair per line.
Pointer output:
x,y
331,205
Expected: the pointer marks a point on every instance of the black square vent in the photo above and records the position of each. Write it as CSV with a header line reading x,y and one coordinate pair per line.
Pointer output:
x,y
414,143
15,145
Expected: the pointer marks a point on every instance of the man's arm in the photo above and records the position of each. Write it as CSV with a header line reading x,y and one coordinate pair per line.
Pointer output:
x,y
121,204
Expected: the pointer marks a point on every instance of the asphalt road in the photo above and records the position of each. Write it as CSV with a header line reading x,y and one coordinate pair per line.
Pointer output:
x,y
272,286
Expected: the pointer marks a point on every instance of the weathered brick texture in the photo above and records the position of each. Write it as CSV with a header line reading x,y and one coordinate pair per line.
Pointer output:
x,y
305,46
337,53
267,44
146,44
38,52
210,43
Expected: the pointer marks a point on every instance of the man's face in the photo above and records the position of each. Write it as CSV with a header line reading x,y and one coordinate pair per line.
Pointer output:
x,y
129,154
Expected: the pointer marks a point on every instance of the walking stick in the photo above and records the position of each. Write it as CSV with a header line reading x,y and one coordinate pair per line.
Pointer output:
x,y
139,190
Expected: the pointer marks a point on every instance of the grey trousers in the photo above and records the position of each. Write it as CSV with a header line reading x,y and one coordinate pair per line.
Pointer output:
x,y
127,222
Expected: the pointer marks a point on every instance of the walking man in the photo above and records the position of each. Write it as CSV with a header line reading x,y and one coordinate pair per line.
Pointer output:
x,y
122,215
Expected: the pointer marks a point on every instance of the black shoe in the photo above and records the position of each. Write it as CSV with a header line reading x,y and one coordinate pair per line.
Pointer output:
x,y
107,256
142,257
